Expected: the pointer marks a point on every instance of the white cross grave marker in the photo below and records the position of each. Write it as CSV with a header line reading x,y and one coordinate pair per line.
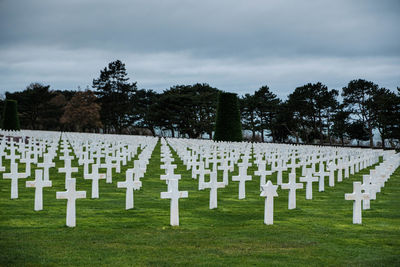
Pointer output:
x,y
309,179
174,194
14,176
242,178
95,176
357,196
292,186
130,185
213,184
269,192
71,195
38,183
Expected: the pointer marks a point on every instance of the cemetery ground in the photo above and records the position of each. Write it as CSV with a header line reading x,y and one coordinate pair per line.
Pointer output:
x,y
318,232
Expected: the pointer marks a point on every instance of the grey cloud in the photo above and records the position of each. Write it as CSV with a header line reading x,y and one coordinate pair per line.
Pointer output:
x,y
233,45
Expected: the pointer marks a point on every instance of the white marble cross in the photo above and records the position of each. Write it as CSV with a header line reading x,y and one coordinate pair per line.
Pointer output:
x,y
71,195
332,168
309,179
38,183
357,196
46,165
202,173
108,165
292,186
279,168
321,174
269,192
14,175
67,169
130,185
95,176
242,178
262,172
213,184
174,194
28,161
225,168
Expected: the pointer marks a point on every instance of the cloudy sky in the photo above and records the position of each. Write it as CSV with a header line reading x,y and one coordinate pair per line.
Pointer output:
x,y
233,45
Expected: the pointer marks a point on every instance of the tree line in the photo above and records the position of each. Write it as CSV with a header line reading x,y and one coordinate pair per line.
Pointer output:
x,y
311,114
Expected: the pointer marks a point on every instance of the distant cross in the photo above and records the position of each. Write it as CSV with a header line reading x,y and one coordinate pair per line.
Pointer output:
x,y
242,178
202,173
309,179
262,172
95,176
269,192
28,161
38,183
12,156
292,186
46,165
321,174
279,168
357,196
14,175
130,185
174,194
67,169
225,168
108,165
71,195
332,168
340,170
213,184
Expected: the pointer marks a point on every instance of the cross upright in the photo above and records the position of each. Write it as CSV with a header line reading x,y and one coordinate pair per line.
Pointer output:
x,y
242,178
225,168
170,174
357,196
292,186
332,168
130,185
262,172
108,165
95,176
46,165
12,156
71,195
269,192
67,169
321,174
174,194
202,172
213,184
28,160
14,176
38,183
279,168
309,179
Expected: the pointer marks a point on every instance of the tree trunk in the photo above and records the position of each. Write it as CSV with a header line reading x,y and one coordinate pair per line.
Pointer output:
x,y
262,135
371,136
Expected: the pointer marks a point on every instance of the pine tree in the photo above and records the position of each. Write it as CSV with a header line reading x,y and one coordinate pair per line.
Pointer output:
x,y
10,116
228,126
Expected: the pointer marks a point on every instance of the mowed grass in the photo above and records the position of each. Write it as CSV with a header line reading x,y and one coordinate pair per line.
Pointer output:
x,y
318,232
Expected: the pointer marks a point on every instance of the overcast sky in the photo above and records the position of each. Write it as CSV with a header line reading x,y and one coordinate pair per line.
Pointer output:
x,y
233,45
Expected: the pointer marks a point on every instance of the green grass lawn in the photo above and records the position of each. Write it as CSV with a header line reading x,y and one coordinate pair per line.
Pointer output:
x,y
319,232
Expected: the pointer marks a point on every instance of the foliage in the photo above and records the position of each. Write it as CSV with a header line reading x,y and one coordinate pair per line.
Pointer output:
x,y
228,126
358,99
10,118
116,96
82,112
188,109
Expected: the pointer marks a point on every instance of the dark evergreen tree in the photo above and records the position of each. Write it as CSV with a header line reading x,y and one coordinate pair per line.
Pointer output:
x,y
10,119
357,97
228,126
267,105
116,96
